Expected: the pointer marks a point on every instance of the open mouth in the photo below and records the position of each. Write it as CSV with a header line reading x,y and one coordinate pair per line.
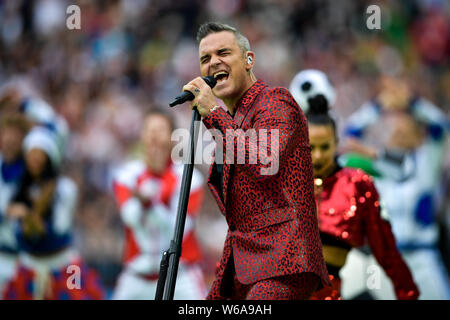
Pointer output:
x,y
221,76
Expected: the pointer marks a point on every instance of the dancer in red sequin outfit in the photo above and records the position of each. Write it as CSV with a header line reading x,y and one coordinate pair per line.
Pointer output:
x,y
348,206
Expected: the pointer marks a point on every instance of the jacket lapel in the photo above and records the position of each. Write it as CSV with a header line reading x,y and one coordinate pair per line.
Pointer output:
x,y
242,108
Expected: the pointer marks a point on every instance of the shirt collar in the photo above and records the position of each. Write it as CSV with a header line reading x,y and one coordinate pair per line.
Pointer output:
x,y
246,101
249,96
163,173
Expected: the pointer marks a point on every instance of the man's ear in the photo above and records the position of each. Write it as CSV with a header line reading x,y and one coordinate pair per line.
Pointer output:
x,y
249,60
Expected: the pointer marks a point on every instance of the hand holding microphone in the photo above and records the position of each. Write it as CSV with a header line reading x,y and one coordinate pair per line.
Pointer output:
x,y
199,92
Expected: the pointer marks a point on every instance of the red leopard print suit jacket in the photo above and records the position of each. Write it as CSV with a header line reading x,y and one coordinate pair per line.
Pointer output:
x,y
273,229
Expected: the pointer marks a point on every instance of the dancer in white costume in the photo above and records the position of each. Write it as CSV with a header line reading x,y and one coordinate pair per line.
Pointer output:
x,y
147,193
408,174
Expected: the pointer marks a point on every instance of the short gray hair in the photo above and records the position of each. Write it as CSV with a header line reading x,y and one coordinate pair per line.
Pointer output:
x,y
214,27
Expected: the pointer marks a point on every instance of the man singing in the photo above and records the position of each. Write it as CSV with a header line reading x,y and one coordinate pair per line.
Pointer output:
x,y
272,249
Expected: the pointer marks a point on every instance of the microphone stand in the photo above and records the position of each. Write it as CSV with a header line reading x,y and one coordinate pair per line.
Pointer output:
x,y
170,258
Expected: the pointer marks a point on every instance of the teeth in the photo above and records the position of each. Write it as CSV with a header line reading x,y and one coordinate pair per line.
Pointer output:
x,y
220,73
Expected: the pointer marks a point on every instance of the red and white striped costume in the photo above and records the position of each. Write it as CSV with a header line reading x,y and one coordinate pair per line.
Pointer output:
x,y
149,226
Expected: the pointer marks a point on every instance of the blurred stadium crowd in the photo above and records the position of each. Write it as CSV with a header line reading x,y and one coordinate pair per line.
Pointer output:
x,y
132,56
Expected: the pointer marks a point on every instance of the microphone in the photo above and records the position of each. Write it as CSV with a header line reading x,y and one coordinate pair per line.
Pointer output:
x,y
188,96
